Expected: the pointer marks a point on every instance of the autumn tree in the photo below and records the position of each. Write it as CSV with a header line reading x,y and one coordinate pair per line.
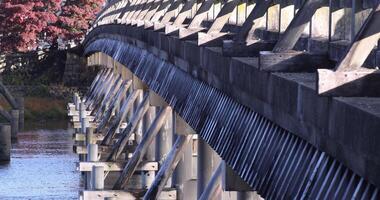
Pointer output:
x,y
27,24
76,15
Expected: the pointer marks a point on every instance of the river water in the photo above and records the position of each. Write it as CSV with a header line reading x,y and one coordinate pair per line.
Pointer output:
x,y
42,165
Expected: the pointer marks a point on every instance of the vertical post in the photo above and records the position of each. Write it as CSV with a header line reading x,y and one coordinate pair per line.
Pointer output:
x,y
92,152
184,176
92,156
77,101
97,177
14,123
75,98
164,142
82,110
147,121
89,135
5,142
21,107
273,21
139,128
319,30
84,124
204,171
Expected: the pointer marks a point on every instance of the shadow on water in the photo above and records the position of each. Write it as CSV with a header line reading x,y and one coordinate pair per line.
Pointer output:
x,y
42,164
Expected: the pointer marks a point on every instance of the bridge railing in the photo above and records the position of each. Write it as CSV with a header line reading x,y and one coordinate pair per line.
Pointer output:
x,y
288,36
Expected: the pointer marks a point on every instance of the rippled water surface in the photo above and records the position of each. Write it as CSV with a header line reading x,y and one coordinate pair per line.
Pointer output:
x,y
42,165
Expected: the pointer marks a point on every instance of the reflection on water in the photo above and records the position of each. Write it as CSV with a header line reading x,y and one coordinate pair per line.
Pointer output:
x,y
42,165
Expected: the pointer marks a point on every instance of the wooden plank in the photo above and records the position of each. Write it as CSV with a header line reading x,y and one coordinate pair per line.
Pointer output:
x,y
79,125
361,82
121,194
115,166
76,113
82,137
80,149
101,195
76,118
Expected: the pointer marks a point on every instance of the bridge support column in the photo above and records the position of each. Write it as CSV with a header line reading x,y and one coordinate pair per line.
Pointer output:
x,y
164,139
20,102
92,156
90,136
97,178
5,142
185,174
15,123
207,161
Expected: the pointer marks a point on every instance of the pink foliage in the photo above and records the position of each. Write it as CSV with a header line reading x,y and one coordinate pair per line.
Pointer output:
x,y
24,24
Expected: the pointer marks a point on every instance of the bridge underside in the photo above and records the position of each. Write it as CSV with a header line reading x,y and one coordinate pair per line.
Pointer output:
x,y
273,122
265,155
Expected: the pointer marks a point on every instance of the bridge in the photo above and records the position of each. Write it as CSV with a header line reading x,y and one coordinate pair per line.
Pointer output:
x,y
274,99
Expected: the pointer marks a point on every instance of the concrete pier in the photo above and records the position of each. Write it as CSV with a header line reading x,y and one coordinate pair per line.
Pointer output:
x,y
5,142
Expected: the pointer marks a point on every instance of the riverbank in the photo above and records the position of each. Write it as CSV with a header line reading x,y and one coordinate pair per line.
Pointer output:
x,y
41,108
43,102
